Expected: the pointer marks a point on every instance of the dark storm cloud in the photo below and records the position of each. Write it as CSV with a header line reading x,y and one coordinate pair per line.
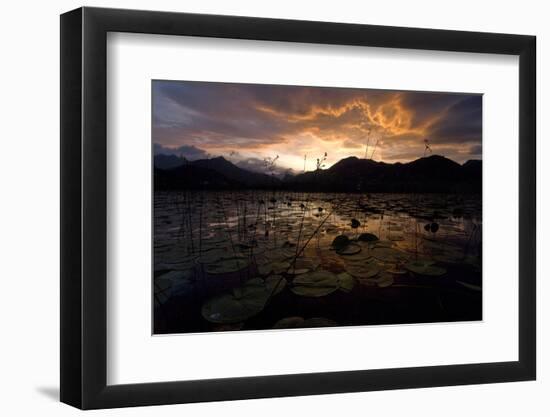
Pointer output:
x,y
205,113
191,153
260,120
462,122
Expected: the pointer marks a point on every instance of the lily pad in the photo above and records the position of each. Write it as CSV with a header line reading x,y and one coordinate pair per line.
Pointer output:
x,y
367,270
227,266
340,242
243,303
275,284
383,244
230,309
298,271
174,276
396,270
346,282
265,269
425,268
351,249
385,280
280,255
315,284
280,267
300,322
319,322
212,256
289,323
367,237
390,255
333,263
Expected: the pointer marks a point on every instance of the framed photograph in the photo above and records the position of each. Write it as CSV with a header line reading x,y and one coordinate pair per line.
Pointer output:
x,y
257,208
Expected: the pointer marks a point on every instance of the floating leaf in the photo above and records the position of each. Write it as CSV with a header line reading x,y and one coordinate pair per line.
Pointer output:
x,y
298,271
243,303
174,276
227,327
319,322
367,237
340,242
300,322
275,284
345,281
279,255
390,255
367,270
162,284
265,269
351,249
425,268
227,266
230,309
289,323
315,284
333,263
212,256
280,267
383,244
396,270
385,280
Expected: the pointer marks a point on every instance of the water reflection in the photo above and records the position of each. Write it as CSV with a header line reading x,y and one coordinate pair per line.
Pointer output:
x,y
259,260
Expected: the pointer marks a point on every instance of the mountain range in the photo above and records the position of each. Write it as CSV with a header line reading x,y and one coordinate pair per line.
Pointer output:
x,y
429,174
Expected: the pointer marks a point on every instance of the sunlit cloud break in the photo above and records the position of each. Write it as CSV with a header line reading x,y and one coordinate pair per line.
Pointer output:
x,y
251,123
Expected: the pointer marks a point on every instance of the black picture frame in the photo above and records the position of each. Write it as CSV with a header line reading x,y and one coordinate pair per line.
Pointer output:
x,y
84,207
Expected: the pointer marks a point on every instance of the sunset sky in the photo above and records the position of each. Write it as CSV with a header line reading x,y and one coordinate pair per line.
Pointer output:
x,y
246,123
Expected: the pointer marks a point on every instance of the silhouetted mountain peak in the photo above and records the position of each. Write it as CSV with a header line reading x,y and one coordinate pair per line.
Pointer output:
x,y
472,162
434,173
219,159
163,161
434,159
235,173
353,162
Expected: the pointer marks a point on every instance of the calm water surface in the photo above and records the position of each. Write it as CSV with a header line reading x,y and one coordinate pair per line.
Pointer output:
x,y
263,260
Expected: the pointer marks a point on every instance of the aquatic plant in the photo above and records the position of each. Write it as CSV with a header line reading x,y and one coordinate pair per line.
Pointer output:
x,y
374,148
239,305
368,140
425,268
321,162
227,252
270,163
367,237
340,242
427,147
315,284
300,322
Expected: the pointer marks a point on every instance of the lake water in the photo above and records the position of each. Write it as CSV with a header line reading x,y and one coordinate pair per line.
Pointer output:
x,y
261,260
